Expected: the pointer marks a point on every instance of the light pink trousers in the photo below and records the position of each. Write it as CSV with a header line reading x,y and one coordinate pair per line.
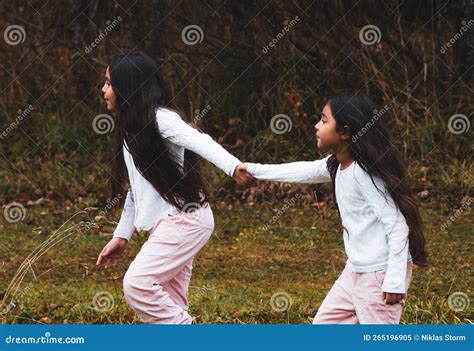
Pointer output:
x,y
156,283
356,298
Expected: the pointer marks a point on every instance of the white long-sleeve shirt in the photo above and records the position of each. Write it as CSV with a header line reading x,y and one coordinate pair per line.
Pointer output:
x,y
375,231
143,204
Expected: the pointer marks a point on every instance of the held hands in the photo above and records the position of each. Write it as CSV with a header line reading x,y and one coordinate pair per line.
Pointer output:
x,y
243,177
393,298
112,252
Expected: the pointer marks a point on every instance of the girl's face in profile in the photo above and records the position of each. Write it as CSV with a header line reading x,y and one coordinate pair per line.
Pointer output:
x,y
109,95
327,137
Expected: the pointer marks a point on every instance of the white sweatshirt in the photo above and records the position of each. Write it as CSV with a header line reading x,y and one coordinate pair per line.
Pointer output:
x,y
375,231
143,204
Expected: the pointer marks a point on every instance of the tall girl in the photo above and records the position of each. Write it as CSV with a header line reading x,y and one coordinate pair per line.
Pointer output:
x,y
156,150
382,228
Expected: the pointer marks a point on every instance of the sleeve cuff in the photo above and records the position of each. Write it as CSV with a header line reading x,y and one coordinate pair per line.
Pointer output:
x,y
233,167
122,235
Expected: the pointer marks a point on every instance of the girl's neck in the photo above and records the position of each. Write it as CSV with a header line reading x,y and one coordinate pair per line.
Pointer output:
x,y
344,157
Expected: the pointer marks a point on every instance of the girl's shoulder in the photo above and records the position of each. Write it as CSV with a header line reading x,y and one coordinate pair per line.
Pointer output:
x,y
163,113
168,121
359,172
363,178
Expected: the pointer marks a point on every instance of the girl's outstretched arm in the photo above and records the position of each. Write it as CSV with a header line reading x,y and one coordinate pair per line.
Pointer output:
x,y
173,128
293,172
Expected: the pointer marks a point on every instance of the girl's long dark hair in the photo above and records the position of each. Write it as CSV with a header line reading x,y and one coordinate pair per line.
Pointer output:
x,y
139,93
371,148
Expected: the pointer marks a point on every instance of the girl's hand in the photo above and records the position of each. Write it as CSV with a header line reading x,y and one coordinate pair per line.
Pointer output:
x,y
242,177
393,298
112,252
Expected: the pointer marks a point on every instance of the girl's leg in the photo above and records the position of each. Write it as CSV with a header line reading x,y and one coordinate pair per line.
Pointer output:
x,y
177,287
157,279
337,307
370,307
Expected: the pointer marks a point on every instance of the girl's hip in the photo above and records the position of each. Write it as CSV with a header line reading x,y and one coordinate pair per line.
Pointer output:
x,y
192,217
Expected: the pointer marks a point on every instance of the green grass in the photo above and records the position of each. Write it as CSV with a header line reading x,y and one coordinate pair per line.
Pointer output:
x,y
235,275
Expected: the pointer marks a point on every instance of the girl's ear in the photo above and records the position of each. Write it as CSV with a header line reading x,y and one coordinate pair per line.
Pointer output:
x,y
346,132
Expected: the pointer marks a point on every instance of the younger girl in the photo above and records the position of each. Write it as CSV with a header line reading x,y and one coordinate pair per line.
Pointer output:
x,y
382,226
167,196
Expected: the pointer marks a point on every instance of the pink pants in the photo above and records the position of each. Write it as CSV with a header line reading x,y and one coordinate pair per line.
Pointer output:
x,y
156,283
357,298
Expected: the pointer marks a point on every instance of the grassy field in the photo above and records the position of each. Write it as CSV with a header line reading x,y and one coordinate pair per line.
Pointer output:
x,y
295,261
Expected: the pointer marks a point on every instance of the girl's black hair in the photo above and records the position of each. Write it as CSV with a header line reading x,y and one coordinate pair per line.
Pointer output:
x,y
371,148
139,93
